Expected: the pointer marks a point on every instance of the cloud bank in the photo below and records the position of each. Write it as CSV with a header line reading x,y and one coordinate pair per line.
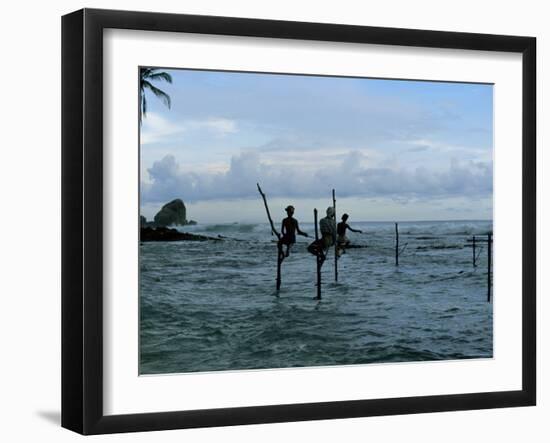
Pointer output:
x,y
349,176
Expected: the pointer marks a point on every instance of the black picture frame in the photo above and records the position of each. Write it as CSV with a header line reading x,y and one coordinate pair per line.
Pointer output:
x,y
82,218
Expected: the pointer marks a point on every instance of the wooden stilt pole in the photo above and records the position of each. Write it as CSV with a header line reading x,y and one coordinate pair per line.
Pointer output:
x,y
489,257
280,258
318,256
336,239
396,245
273,230
474,251
280,254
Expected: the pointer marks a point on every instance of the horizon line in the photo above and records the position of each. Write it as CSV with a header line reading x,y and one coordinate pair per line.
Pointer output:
x,y
366,221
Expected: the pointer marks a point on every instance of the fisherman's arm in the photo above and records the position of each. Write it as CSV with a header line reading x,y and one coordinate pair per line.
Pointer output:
x,y
305,234
354,230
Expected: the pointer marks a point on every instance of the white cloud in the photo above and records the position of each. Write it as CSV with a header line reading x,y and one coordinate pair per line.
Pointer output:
x,y
419,145
351,176
156,129
221,125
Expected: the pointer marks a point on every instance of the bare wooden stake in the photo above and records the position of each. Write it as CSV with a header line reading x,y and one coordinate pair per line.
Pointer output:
x,y
336,239
396,245
489,257
280,258
474,251
318,255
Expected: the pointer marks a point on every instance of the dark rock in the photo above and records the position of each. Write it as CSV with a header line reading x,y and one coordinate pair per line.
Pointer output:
x,y
172,213
191,222
167,234
142,221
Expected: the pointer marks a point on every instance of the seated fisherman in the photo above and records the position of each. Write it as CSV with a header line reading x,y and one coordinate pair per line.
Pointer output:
x,y
343,240
289,228
328,233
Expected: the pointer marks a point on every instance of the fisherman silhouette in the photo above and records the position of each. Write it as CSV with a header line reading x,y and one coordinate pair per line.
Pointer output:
x,y
343,240
289,228
328,235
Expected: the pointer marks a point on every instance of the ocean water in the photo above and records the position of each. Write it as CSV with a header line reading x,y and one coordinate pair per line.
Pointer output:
x,y
212,306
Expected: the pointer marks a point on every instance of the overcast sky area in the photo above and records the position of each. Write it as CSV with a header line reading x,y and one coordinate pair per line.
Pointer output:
x,y
394,150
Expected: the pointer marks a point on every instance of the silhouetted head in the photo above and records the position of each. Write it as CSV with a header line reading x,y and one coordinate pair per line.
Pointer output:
x,y
330,211
345,217
289,210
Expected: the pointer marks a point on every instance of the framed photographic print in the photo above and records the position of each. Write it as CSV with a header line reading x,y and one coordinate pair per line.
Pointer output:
x,y
269,221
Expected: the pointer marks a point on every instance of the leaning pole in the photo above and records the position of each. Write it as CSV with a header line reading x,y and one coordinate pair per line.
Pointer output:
x,y
280,255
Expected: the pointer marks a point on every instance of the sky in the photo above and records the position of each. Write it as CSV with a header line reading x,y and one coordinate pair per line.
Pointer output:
x,y
394,150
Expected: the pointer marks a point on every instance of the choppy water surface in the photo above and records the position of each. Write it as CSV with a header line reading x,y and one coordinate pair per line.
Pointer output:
x,y
208,306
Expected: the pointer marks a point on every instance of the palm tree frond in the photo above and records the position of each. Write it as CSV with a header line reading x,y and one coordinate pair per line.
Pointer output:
x,y
160,76
163,96
145,72
146,75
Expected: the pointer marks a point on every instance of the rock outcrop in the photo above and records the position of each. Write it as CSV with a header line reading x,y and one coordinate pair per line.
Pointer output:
x,y
167,234
172,213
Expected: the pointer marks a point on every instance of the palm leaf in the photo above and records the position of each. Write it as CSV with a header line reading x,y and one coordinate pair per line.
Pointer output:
x,y
146,75
160,76
145,72
163,96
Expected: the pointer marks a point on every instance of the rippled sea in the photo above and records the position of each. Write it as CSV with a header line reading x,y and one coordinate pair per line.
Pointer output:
x,y
212,306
